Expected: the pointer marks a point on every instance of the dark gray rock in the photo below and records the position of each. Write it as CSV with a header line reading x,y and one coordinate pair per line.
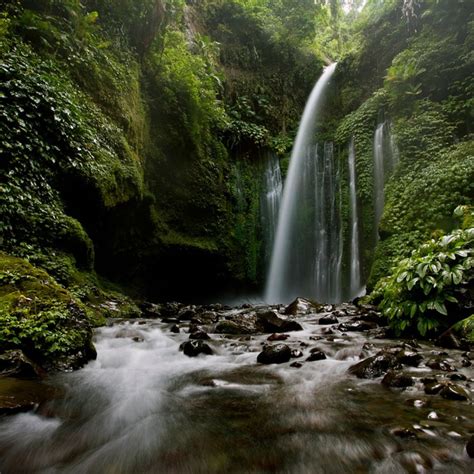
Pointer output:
x,y
295,353
278,337
438,364
199,335
269,321
451,391
277,354
397,380
302,306
470,447
357,325
16,364
316,355
242,326
375,366
296,365
448,340
411,358
329,319
194,348
175,329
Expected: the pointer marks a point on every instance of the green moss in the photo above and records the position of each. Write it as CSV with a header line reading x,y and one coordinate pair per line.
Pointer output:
x,y
40,317
465,328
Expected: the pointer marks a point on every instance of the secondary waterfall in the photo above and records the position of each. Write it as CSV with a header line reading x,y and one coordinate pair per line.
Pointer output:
x,y
300,257
379,173
270,203
355,281
385,159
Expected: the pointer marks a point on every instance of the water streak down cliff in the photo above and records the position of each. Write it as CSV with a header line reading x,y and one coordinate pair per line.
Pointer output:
x,y
306,257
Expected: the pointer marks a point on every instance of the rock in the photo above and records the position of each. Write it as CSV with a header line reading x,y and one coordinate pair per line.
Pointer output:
x,y
278,337
327,331
277,354
470,447
208,317
448,340
199,335
269,321
175,329
15,364
194,348
466,363
329,319
438,364
186,314
375,366
316,355
235,327
296,365
138,339
411,358
22,395
357,325
150,310
433,388
403,432
295,353
454,392
394,379
458,377
301,306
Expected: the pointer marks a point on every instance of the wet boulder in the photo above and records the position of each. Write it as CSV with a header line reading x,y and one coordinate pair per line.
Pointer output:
x,y
397,380
236,326
277,354
199,334
187,313
296,353
278,337
16,364
448,340
328,319
452,391
411,358
207,317
357,325
433,388
175,329
302,306
439,364
18,396
375,366
470,447
194,348
269,321
150,310
316,355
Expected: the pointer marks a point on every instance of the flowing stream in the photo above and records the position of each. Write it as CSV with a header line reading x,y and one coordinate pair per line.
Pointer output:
x,y
145,407
297,245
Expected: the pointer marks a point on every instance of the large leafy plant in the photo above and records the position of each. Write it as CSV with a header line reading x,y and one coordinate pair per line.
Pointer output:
x,y
418,294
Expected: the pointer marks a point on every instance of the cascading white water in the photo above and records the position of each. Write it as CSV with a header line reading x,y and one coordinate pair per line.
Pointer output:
x,y
385,160
355,275
296,267
270,205
379,171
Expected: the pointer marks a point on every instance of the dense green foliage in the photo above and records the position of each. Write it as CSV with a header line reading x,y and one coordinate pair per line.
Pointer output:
x,y
420,288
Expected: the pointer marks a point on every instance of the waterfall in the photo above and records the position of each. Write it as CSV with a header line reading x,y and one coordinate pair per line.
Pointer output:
x,y
355,281
306,257
379,171
270,204
385,160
